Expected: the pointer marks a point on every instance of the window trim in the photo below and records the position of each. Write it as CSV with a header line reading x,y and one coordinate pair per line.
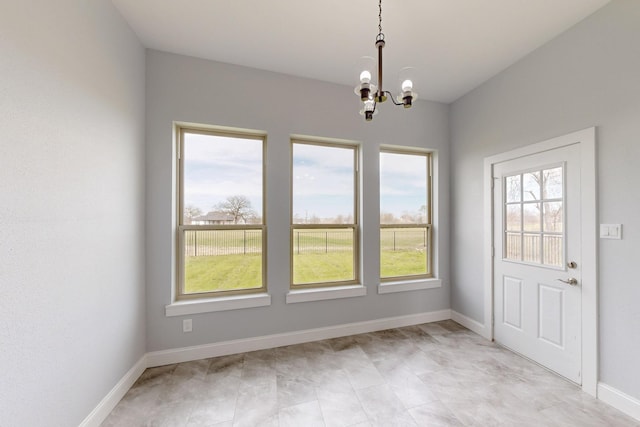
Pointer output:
x,y
409,285
325,293
218,303
396,280
355,226
180,129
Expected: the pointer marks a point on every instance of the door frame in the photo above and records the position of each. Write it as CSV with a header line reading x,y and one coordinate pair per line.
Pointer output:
x,y
586,139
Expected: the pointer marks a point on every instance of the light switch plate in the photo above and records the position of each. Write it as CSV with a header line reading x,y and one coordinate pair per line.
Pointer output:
x,y
611,231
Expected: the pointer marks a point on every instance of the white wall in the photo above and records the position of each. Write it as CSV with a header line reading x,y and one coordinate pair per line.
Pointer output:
x,y
193,90
588,76
72,208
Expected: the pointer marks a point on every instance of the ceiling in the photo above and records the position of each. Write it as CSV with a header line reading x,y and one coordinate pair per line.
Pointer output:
x,y
455,44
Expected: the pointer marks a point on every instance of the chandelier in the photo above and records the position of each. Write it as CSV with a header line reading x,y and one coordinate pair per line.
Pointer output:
x,y
370,94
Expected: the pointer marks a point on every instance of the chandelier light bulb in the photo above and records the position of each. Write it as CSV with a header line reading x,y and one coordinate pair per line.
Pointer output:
x,y
369,109
407,85
369,105
365,77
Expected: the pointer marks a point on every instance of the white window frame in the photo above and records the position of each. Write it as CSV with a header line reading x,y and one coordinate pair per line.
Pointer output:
x,y
225,298
337,289
426,225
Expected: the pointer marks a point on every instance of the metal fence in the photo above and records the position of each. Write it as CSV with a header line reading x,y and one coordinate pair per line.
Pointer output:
x,y
243,242
527,248
322,241
403,239
222,242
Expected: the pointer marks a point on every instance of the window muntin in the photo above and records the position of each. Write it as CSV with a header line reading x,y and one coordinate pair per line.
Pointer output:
x,y
324,227
534,217
405,215
221,232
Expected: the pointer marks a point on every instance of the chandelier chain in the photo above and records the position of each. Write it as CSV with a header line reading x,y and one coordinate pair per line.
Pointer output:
x,y
380,17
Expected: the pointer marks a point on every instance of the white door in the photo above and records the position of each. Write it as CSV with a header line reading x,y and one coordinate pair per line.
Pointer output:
x,y
537,263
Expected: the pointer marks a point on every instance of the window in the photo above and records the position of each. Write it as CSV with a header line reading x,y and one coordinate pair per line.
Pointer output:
x,y
324,225
534,217
221,232
405,215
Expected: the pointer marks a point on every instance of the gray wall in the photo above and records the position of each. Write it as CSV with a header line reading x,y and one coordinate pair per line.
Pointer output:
x,y
588,76
71,216
193,90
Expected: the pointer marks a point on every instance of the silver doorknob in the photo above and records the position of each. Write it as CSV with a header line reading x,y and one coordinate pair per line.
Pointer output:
x,y
572,281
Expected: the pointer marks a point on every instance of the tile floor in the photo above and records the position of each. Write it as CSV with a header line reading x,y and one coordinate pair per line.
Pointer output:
x,y
436,374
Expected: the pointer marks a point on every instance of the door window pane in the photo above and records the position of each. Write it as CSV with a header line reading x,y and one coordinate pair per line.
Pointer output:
x,y
553,186
531,216
553,217
553,250
534,216
531,248
513,246
514,218
531,186
513,189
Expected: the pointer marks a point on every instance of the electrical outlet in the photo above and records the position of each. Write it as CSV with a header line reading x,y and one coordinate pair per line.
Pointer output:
x,y
187,325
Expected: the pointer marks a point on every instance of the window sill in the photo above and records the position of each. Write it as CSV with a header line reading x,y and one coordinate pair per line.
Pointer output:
x,y
319,294
408,285
208,305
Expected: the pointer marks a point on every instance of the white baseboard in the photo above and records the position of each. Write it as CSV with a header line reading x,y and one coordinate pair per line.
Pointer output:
x,y
185,354
106,405
619,400
178,355
471,324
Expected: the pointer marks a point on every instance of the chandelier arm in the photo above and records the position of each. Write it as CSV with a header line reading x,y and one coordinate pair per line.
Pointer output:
x,y
392,98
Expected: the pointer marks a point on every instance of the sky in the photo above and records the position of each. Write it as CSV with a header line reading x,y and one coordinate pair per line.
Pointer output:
x,y
323,181
216,167
403,183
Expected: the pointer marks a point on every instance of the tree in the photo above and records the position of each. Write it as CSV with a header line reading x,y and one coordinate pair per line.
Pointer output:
x,y
238,207
387,218
423,214
315,219
408,218
191,212
342,219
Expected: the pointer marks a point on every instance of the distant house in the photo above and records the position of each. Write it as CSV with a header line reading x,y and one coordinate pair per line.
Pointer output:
x,y
212,218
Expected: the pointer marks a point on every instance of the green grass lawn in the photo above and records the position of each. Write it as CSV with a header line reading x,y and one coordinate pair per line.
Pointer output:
x,y
403,263
223,272
322,267
227,272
